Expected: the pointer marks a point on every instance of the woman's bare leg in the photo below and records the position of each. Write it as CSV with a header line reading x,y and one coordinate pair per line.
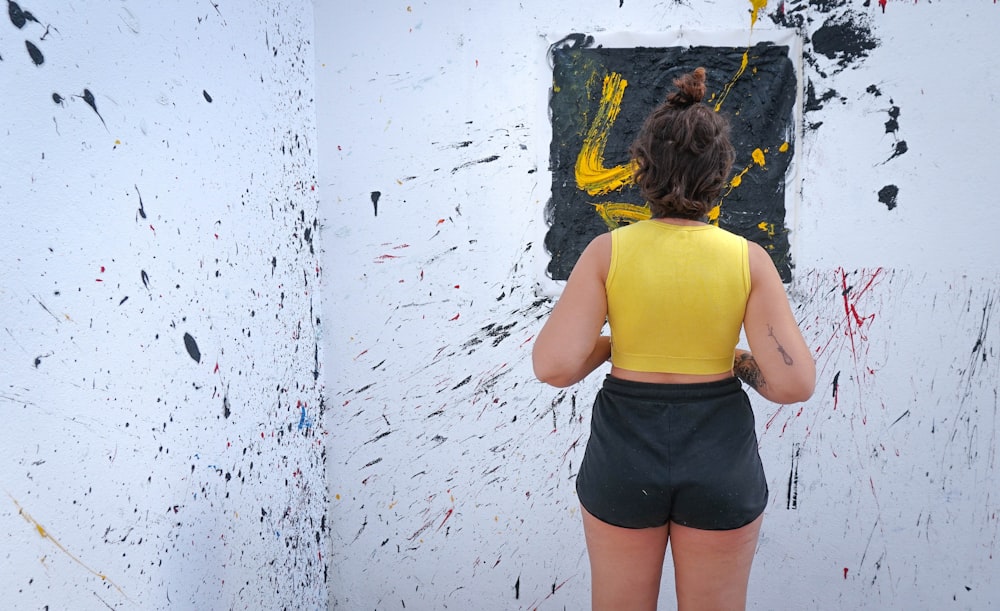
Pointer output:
x,y
712,567
625,564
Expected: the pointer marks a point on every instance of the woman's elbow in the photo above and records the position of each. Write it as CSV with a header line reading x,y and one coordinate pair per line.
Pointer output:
x,y
794,391
553,377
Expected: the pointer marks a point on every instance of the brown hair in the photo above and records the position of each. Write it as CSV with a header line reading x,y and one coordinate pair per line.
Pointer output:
x,y
683,155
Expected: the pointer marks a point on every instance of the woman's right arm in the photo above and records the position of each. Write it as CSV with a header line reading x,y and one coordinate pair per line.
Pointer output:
x,y
779,365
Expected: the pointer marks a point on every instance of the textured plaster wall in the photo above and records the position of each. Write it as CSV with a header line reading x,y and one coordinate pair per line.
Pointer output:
x,y
161,418
451,469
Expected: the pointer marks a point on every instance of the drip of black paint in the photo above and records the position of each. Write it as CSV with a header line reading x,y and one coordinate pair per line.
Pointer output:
x,y
192,347
793,479
375,196
208,98
35,53
517,588
145,278
887,195
58,99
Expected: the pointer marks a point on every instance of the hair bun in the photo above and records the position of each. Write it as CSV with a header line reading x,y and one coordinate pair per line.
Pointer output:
x,y
690,89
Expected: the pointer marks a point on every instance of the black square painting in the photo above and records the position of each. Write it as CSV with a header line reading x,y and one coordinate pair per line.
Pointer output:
x,y
599,99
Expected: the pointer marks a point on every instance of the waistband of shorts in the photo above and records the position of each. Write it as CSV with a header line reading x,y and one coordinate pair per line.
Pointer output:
x,y
651,390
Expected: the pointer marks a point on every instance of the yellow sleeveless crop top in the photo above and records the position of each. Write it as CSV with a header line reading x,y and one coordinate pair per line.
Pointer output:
x,y
676,297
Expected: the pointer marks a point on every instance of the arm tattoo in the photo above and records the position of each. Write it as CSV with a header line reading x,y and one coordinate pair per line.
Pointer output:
x,y
784,355
747,370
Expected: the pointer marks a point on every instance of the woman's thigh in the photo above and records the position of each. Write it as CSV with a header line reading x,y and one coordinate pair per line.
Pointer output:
x,y
712,567
625,564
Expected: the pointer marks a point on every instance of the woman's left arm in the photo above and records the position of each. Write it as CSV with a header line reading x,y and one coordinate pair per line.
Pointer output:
x,y
570,345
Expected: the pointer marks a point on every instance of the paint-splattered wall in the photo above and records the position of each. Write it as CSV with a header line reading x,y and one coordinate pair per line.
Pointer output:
x,y
452,470
161,442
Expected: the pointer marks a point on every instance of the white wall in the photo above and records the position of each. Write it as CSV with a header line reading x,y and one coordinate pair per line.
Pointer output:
x,y
132,475
452,470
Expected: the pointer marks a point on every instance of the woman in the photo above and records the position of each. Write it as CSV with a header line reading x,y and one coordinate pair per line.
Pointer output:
x,y
672,455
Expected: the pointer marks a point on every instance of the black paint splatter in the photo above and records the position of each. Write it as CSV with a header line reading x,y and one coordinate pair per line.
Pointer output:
x,y
17,16
897,150
887,195
517,588
489,159
892,125
375,197
225,406
208,98
192,347
142,210
145,278
58,99
35,53
88,97
844,38
875,91
814,102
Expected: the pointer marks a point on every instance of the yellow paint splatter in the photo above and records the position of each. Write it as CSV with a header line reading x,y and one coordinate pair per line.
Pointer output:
x,y
336,496
738,179
758,157
757,6
767,228
784,147
713,214
591,175
45,535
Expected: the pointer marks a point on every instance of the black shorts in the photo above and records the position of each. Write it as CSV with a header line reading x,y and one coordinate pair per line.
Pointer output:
x,y
683,453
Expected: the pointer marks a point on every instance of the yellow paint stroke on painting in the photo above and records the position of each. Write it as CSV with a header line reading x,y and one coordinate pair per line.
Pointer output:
x,y
784,147
616,213
591,175
766,227
45,535
758,157
732,81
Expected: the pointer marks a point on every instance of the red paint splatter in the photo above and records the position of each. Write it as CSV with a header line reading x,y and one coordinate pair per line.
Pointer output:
x,y
446,516
455,317
457,286
845,572
855,321
882,3
440,221
216,368
384,258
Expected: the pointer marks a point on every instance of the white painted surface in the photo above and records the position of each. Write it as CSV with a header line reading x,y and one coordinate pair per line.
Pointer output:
x,y
451,469
125,484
